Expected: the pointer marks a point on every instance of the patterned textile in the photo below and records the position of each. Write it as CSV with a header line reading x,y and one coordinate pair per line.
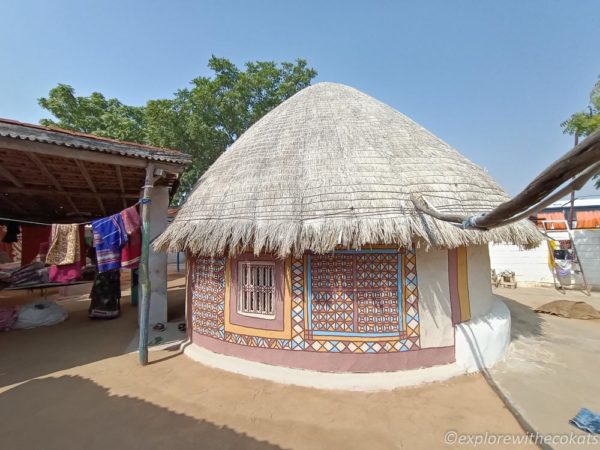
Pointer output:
x,y
131,251
587,420
106,296
109,237
131,219
65,274
64,245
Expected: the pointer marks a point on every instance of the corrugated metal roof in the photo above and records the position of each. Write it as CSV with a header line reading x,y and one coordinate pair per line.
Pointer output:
x,y
57,136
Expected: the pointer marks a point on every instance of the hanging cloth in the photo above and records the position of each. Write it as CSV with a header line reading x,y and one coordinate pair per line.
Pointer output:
x,y
33,237
12,233
65,274
109,237
105,296
131,251
64,245
131,220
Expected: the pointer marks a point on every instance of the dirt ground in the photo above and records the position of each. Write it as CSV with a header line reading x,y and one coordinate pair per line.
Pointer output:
x,y
553,366
73,386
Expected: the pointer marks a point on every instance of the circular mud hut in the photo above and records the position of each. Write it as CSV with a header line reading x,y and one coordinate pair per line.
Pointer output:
x,y
306,251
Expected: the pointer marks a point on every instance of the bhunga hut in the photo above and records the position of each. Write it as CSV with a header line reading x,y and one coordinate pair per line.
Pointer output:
x,y
305,248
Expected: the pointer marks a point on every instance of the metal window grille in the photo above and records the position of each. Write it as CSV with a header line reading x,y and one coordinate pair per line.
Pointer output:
x,y
257,289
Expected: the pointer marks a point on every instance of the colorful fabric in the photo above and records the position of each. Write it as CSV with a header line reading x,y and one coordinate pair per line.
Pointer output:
x,y
33,238
65,247
131,252
8,317
587,420
109,237
131,220
106,296
65,274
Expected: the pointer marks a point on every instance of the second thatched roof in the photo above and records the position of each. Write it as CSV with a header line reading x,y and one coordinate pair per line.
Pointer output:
x,y
334,167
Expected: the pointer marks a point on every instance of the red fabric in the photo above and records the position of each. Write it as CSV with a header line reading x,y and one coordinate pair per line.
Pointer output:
x,y
131,219
36,240
82,248
33,236
131,251
64,274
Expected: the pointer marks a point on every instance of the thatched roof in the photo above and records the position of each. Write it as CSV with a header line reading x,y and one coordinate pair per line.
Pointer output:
x,y
332,166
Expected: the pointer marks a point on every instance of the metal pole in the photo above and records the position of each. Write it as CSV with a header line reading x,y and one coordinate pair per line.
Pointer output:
x,y
144,269
572,208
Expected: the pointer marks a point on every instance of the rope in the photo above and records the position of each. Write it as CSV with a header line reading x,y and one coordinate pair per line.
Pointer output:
x,y
6,219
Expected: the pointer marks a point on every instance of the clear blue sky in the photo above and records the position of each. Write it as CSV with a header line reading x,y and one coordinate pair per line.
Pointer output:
x,y
492,78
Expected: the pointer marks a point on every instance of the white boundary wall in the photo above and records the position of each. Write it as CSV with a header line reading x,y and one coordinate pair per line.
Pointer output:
x,y
588,249
531,266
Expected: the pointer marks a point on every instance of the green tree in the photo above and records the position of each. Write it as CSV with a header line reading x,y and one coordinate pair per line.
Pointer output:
x,y
583,123
94,114
206,118
202,120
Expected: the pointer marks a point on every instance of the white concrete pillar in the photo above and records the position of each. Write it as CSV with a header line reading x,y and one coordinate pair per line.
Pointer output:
x,y
158,260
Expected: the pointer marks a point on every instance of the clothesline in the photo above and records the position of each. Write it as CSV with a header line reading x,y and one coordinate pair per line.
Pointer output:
x,y
29,222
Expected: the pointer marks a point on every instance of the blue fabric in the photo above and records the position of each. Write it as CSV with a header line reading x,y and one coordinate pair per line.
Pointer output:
x,y
109,237
587,421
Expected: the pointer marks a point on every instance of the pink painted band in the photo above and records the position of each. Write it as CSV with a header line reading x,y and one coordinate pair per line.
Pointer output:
x,y
332,362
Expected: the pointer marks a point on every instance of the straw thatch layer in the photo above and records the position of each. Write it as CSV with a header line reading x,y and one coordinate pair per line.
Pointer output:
x,y
332,166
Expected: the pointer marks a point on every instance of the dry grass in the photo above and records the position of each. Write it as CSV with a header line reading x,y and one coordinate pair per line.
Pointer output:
x,y
332,166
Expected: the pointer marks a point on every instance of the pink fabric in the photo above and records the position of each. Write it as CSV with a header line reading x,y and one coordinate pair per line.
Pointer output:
x,y
131,219
8,317
131,251
65,274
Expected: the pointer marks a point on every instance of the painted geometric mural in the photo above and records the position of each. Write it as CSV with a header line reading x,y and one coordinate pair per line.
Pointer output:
x,y
353,306
360,294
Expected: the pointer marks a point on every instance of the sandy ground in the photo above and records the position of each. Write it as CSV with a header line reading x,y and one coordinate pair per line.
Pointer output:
x,y
73,386
553,367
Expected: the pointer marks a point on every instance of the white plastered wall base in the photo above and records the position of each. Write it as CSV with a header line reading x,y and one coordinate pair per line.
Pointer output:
x,y
483,341
380,381
480,342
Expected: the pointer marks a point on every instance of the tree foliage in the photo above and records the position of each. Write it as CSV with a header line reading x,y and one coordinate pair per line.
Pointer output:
x,y
583,123
202,120
94,114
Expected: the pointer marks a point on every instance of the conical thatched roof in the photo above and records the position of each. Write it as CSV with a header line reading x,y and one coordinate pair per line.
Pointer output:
x,y
332,166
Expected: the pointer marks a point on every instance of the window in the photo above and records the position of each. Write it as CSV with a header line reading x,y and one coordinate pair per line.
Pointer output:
x,y
256,294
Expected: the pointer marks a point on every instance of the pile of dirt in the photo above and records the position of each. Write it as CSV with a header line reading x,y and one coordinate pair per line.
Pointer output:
x,y
569,309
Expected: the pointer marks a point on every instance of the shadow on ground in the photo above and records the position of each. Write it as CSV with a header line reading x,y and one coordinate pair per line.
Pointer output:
x,y
525,323
73,412
28,354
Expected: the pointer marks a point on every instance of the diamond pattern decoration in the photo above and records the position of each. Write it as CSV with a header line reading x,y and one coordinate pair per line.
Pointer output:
x,y
374,286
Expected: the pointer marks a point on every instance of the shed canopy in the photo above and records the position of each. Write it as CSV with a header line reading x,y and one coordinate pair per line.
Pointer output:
x,y
333,167
55,175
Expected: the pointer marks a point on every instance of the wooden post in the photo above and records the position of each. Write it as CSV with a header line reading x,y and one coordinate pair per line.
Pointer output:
x,y
572,207
144,282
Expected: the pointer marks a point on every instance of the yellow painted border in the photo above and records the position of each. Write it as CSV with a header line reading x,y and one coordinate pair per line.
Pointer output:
x,y
463,284
286,333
